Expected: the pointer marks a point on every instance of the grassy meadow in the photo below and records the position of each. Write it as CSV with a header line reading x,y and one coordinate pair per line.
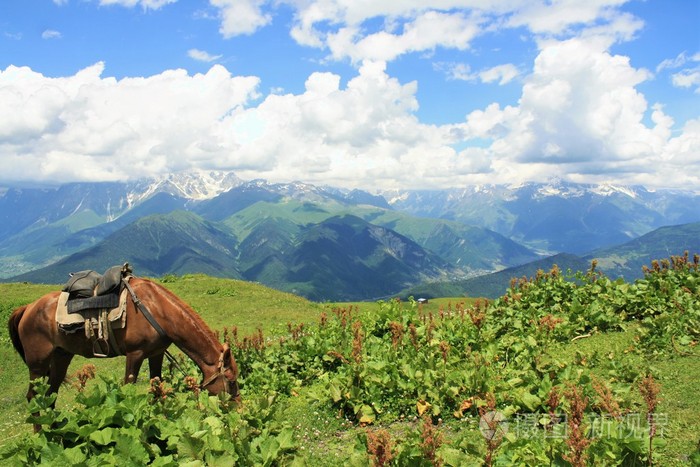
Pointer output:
x,y
362,379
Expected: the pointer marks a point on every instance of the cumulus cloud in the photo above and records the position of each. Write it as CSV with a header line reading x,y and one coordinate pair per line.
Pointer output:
x,y
580,115
240,17
202,56
328,134
90,127
341,26
87,126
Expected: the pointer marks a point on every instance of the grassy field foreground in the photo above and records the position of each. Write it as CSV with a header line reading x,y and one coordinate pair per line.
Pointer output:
x,y
394,383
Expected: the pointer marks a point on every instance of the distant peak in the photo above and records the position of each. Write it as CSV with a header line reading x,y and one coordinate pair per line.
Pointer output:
x,y
606,189
195,184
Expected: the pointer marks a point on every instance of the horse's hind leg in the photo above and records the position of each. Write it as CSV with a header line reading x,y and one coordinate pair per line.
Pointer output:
x,y
53,366
60,361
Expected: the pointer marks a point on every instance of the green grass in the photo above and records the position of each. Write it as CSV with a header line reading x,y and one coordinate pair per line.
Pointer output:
x,y
221,302
325,438
678,376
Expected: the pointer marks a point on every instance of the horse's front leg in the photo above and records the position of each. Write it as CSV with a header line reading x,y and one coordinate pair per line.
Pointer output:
x,y
155,366
134,360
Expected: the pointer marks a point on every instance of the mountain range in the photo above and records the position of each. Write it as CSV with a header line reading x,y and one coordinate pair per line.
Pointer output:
x,y
326,243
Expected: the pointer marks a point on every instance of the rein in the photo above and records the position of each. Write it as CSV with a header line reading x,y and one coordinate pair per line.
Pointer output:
x,y
149,317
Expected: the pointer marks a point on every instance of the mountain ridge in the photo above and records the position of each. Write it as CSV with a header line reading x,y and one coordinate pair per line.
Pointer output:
x,y
265,227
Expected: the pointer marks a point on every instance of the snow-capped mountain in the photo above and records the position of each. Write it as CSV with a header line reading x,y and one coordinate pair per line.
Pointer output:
x,y
556,216
191,184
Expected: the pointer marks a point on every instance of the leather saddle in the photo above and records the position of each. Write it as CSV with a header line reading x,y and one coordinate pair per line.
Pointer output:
x,y
89,290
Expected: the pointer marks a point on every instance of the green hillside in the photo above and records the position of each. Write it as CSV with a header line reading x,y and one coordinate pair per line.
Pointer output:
x,y
627,260
496,284
465,247
176,243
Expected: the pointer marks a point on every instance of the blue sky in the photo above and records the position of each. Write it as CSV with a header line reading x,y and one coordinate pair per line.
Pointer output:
x,y
352,93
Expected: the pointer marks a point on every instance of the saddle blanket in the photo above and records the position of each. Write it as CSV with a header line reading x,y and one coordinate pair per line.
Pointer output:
x,y
71,322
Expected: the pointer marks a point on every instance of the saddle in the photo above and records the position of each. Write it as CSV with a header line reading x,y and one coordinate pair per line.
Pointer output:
x,y
88,289
95,303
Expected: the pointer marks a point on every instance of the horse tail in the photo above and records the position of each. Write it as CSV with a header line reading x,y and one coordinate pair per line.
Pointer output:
x,y
13,327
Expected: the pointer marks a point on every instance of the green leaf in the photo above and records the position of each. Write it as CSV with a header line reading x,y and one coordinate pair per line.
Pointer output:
x,y
286,439
530,401
335,392
104,436
269,449
454,457
75,455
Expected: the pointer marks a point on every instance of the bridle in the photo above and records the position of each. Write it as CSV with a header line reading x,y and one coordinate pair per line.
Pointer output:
x,y
220,371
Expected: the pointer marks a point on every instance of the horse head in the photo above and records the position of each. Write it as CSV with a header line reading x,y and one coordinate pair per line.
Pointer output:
x,y
225,378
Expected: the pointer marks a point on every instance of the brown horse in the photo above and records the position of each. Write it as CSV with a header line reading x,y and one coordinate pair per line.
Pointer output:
x,y
48,351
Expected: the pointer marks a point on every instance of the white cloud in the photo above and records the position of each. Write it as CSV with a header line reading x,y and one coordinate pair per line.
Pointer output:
x,y
687,79
423,33
90,127
341,26
145,4
580,115
202,56
87,126
671,63
239,17
558,17
456,71
504,74
51,34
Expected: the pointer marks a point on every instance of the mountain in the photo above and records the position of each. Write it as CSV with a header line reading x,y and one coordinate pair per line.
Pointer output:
x,y
341,258
557,216
347,258
300,237
176,243
495,284
627,260
469,250
622,261
41,246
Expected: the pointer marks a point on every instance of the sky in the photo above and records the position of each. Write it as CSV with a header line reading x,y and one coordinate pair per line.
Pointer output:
x,y
369,94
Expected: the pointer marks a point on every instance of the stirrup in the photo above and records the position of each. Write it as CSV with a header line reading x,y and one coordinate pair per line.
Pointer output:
x,y
100,350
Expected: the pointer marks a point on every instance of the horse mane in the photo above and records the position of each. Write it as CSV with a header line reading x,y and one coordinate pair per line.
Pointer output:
x,y
189,311
13,327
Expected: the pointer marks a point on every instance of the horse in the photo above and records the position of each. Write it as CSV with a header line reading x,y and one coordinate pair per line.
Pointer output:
x,y
48,351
